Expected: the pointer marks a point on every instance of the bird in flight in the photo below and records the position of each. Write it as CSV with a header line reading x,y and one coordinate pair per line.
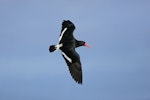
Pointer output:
x,y
67,44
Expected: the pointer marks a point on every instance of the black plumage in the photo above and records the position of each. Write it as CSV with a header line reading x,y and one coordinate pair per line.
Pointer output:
x,y
67,44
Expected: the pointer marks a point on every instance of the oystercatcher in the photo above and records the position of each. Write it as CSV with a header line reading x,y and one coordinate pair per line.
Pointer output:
x,y
67,44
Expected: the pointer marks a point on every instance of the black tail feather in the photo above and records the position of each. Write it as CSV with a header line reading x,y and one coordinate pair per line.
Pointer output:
x,y
52,48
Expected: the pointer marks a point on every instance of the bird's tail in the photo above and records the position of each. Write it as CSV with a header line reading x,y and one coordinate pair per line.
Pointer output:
x,y
52,48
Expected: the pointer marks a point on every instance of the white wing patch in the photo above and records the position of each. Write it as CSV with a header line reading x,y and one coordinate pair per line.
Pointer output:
x,y
62,33
58,46
69,59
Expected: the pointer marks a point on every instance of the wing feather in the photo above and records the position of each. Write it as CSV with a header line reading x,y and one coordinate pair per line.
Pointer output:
x,y
75,69
66,31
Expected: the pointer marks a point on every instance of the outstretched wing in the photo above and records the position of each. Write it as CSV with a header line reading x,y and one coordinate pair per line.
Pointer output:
x,y
66,31
74,66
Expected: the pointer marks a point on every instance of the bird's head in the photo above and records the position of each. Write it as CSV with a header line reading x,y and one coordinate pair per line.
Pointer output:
x,y
82,43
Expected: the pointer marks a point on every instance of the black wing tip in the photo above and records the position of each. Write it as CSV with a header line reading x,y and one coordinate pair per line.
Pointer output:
x,y
68,23
76,76
79,82
77,79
